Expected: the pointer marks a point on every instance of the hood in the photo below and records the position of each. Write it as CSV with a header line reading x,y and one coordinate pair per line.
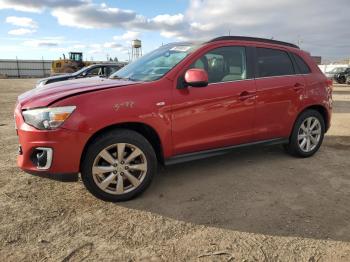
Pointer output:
x,y
65,76
46,95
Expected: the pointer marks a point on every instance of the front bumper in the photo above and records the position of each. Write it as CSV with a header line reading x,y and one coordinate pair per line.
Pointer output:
x,y
60,150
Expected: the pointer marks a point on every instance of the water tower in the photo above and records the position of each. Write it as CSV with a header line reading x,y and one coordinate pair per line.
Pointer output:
x,y
136,49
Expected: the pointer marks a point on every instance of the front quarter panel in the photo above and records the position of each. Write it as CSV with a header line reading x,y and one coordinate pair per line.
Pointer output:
x,y
147,103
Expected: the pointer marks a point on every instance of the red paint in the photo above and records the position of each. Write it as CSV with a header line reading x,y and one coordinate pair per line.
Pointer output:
x,y
186,120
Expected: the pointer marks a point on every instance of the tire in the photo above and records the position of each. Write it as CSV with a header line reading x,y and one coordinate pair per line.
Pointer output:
x,y
296,146
341,80
128,176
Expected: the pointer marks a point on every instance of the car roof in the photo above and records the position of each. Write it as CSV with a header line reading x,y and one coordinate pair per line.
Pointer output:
x,y
252,39
238,38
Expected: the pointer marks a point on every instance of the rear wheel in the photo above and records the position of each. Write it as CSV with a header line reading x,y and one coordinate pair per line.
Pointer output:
x,y
118,165
307,135
342,80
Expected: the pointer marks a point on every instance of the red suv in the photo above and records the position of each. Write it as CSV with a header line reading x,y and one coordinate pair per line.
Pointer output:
x,y
181,102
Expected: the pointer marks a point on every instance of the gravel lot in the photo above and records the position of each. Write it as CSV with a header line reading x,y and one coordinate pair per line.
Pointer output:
x,y
251,205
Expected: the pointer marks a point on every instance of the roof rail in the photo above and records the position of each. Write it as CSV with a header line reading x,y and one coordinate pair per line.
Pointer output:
x,y
255,39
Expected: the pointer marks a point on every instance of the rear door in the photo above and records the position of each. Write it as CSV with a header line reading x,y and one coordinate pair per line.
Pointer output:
x,y
280,92
220,114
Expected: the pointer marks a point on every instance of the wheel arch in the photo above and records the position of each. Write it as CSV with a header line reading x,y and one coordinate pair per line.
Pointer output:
x,y
145,130
319,108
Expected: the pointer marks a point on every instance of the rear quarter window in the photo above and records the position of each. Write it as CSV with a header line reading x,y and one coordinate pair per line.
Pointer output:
x,y
302,66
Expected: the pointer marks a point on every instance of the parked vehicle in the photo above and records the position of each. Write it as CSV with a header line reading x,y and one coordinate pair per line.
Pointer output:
x,y
348,80
341,76
181,102
334,71
101,70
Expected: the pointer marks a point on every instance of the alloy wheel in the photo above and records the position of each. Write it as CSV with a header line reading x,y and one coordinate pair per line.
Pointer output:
x,y
309,134
119,168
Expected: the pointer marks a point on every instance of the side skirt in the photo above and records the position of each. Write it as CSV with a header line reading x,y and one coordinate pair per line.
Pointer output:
x,y
220,151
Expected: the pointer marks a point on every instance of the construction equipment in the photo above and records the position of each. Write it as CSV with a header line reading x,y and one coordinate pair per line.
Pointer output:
x,y
70,65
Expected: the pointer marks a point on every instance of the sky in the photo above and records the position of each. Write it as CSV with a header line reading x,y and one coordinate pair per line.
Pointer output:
x,y
46,29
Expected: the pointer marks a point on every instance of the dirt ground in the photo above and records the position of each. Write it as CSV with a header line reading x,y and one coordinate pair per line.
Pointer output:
x,y
250,205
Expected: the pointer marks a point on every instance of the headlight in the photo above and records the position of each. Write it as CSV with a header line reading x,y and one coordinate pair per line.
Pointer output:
x,y
47,118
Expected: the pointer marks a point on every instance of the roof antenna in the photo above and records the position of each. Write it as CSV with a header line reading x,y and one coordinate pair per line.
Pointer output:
x,y
229,32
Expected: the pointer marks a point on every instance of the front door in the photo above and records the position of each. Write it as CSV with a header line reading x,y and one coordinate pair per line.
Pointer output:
x,y
220,114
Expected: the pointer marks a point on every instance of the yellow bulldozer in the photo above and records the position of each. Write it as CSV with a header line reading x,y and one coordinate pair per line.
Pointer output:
x,y
69,65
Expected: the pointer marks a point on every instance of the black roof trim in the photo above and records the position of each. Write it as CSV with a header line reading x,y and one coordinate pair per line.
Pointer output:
x,y
255,39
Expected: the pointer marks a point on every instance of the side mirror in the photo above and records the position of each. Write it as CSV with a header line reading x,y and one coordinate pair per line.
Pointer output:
x,y
196,77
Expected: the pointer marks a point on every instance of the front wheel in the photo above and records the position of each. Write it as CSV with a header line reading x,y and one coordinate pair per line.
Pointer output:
x,y
118,165
307,135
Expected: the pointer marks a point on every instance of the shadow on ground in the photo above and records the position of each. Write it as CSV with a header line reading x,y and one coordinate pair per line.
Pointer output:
x,y
259,190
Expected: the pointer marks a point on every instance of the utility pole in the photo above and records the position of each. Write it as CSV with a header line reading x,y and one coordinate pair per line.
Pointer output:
x,y
18,72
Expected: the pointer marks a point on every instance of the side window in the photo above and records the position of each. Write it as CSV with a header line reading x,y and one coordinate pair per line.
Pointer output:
x,y
224,64
97,71
302,66
273,62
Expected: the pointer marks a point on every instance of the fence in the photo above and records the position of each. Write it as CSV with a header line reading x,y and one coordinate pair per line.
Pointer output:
x,y
24,68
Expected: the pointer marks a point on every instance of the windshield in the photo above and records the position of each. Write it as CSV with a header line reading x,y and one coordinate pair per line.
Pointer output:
x,y
338,70
156,63
82,70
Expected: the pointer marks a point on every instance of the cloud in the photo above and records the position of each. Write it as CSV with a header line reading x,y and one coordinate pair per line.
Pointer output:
x,y
112,45
21,31
91,16
127,36
38,6
44,42
21,21
169,20
322,27
88,15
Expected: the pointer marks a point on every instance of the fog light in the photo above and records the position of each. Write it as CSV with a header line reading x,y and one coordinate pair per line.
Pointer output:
x,y
42,157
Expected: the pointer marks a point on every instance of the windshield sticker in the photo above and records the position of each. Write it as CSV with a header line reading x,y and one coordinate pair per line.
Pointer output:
x,y
180,48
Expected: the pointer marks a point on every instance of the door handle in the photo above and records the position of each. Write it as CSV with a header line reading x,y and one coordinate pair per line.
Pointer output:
x,y
298,87
246,95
